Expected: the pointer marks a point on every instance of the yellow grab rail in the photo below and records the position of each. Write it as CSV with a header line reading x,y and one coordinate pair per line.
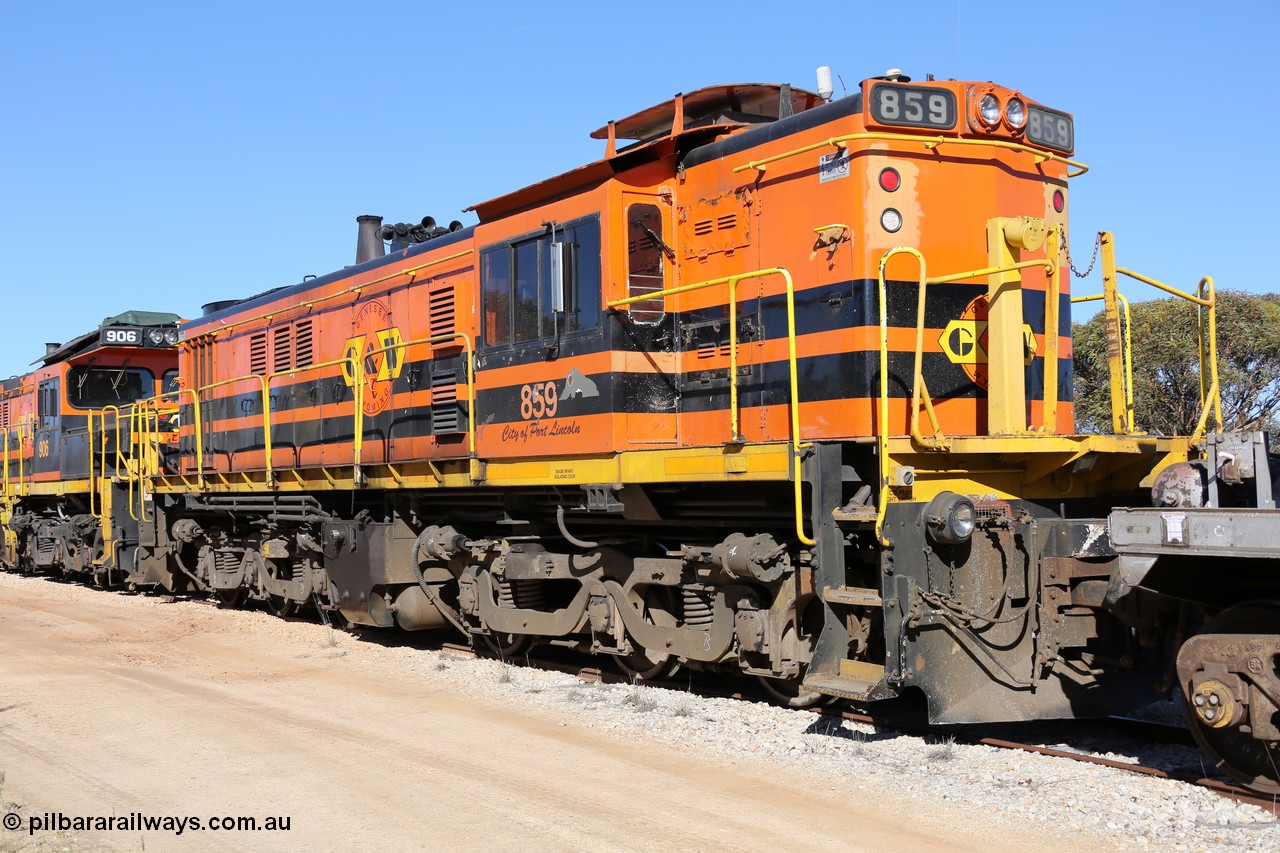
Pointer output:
x,y
732,282
930,142
195,416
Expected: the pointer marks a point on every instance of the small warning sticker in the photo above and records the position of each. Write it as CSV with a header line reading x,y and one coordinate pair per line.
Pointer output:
x,y
833,166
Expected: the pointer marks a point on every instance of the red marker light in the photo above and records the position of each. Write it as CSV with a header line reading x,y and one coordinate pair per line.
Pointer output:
x,y
1059,200
890,180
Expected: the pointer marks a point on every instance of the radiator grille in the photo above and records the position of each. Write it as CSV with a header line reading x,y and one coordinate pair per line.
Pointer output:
x,y
441,311
304,355
445,417
258,354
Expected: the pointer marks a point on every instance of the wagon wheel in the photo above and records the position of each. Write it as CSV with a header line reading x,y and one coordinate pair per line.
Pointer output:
x,y
1251,762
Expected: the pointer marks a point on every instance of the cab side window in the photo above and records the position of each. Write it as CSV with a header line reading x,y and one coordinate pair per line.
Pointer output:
x,y
644,261
517,286
47,408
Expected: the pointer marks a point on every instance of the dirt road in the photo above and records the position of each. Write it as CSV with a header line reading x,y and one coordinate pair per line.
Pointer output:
x,y
114,706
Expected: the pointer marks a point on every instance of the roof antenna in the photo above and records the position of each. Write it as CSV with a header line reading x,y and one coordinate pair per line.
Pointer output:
x,y
844,90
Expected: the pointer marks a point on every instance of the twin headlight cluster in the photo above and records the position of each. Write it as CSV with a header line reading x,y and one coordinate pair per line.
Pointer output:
x,y
949,519
992,112
160,337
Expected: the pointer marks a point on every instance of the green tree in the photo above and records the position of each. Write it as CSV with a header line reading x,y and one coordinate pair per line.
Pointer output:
x,y
1166,365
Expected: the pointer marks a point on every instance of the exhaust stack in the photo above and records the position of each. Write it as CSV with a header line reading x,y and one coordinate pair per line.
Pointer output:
x,y
369,241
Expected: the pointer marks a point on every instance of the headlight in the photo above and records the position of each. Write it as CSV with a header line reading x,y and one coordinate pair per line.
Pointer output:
x,y
155,336
1015,112
989,110
949,519
171,337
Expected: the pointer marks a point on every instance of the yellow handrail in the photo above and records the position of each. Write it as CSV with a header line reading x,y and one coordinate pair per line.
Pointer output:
x,y
1207,337
732,281
138,466
357,416
919,391
468,349
266,412
929,142
22,487
120,457
195,416
1131,426
1214,391
93,486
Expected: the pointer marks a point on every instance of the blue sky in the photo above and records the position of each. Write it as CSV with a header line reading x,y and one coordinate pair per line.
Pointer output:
x,y
162,155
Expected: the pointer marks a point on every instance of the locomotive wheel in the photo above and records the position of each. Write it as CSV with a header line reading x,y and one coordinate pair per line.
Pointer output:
x,y
648,664
644,665
788,693
230,599
506,645
281,606
1251,762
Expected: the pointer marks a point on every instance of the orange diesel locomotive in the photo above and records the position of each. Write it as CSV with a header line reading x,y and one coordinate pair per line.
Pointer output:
x,y
52,507
780,386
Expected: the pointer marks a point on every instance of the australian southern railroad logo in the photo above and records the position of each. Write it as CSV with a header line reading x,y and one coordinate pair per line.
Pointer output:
x,y
374,333
965,341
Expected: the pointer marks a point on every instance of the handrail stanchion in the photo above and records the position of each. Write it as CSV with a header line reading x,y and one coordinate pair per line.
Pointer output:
x,y
1130,420
1052,327
1213,393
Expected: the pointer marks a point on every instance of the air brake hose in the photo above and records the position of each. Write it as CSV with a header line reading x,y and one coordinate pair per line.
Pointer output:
x,y
569,537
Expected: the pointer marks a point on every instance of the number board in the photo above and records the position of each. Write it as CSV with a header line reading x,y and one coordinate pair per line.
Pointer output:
x,y
1050,128
913,106
116,336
